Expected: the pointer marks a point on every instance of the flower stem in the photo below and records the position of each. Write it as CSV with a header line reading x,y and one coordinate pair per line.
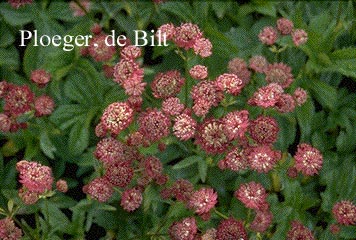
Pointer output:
x,y
220,214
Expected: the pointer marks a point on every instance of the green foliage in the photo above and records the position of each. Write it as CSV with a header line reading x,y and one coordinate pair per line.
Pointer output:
x,y
325,67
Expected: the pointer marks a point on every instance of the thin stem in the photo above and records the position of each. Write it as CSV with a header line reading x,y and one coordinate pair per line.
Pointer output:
x,y
220,214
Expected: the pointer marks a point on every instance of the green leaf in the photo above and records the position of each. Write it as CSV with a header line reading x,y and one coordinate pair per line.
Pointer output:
x,y
54,216
16,17
61,11
186,162
66,115
78,138
287,131
46,145
203,170
220,8
305,115
180,9
6,37
9,57
348,232
324,94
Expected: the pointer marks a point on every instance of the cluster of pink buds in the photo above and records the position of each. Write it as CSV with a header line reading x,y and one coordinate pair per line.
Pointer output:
x,y
269,35
345,214
19,3
21,100
37,181
187,36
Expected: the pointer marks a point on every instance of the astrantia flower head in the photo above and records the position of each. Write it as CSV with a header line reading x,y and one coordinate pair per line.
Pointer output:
x,y
230,83
62,186
266,96
153,167
131,199
168,30
299,231
108,70
199,72
308,159
234,160
44,105
285,103
262,221
117,117
236,124
231,229
258,63
135,102
167,84
108,150
154,125
253,195
34,176
299,37
264,130
40,77
334,228
211,136
4,87
8,230
202,47
28,197
130,52
5,123
182,190
238,67
279,73
100,189
18,100
268,35
172,106
210,234
205,95
186,35
96,29
78,10
263,158
345,212
127,69
183,230
119,174
284,26
300,96
134,87
100,50
19,3
203,200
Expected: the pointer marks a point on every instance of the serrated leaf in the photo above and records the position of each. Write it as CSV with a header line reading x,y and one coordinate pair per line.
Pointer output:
x,y
203,170
305,115
46,145
324,93
9,57
78,138
182,10
186,162
348,232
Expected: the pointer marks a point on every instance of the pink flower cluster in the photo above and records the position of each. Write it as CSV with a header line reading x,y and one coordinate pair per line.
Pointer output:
x,y
8,230
36,180
187,36
269,34
21,100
